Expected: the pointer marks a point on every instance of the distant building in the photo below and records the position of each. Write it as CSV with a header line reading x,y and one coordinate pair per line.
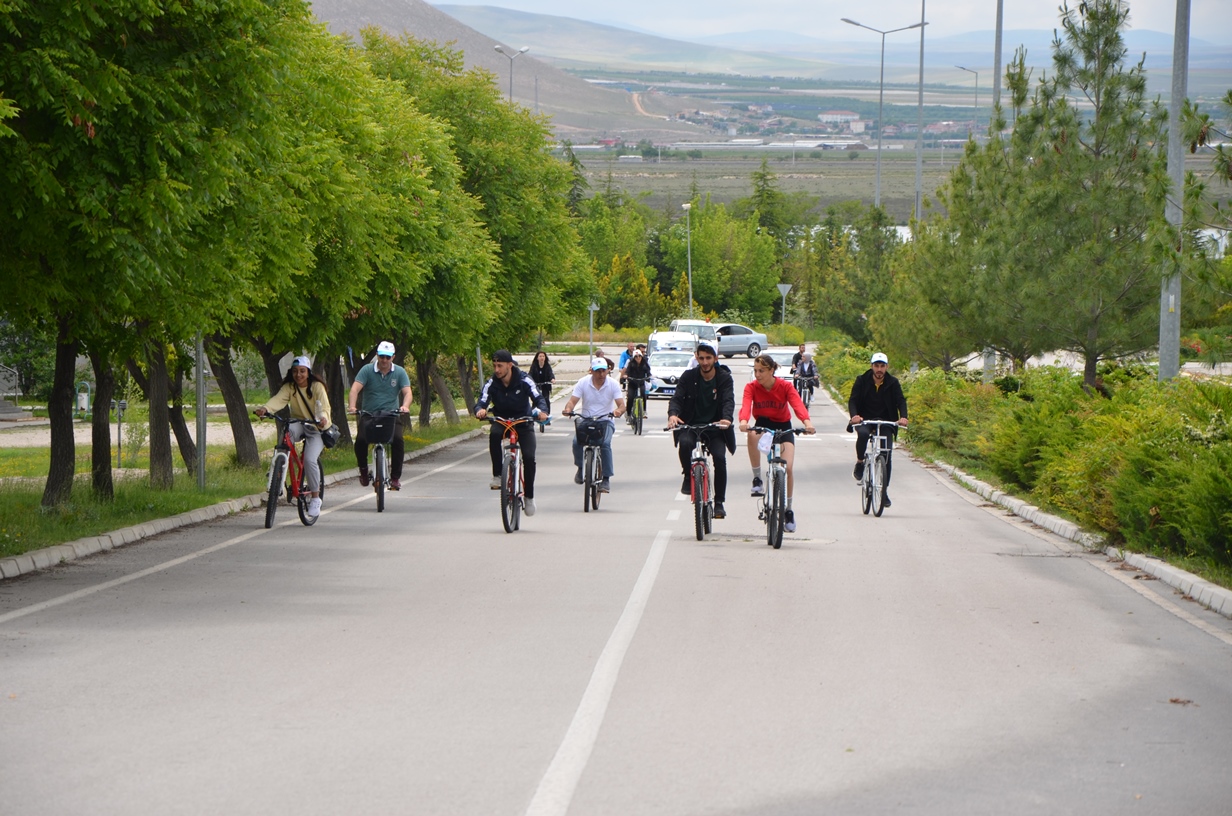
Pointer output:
x,y
837,117
629,158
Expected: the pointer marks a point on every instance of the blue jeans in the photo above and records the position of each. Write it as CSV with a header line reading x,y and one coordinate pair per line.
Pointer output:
x,y
605,451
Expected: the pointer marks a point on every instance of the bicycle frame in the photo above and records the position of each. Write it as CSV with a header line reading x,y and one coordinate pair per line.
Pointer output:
x,y
512,480
380,459
774,499
592,465
876,457
700,469
287,469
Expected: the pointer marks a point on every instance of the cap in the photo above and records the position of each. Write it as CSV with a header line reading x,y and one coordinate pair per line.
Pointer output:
x,y
502,356
706,347
385,349
880,358
301,361
637,352
598,364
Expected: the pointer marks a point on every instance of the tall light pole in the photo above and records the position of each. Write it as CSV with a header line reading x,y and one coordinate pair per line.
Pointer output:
x,y
881,92
919,127
688,232
512,56
975,117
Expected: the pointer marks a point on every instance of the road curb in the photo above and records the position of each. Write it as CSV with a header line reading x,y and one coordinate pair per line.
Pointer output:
x,y
29,562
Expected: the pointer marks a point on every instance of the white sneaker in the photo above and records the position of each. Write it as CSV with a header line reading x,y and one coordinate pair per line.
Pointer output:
x,y
529,507
314,507
495,483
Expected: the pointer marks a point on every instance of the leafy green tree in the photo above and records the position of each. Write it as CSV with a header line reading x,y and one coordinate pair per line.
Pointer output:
x,y
628,297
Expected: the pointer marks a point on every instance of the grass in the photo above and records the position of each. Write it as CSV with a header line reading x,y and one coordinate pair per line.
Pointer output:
x,y
25,525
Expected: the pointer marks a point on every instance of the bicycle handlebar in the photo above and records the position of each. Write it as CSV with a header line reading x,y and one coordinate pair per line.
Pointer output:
x,y
780,431
682,426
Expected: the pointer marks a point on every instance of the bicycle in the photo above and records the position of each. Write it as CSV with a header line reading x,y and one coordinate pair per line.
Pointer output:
x,y
774,500
590,432
876,461
637,405
287,470
701,482
379,431
512,486
804,387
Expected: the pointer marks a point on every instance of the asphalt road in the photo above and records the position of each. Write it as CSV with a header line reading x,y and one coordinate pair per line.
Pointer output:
x,y
943,659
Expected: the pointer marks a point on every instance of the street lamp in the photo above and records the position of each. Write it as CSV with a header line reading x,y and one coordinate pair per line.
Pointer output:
x,y
688,232
975,119
881,92
512,56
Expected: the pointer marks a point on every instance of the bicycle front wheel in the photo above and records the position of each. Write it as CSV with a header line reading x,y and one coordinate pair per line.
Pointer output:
x,y
700,522
597,480
866,487
639,415
508,493
588,476
378,484
275,491
304,499
778,507
879,485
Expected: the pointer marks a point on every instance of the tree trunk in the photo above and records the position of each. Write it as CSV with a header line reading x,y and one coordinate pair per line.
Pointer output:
x,y
465,370
331,372
100,449
423,383
442,392
218,349
162,472
269,359
183,438
59,485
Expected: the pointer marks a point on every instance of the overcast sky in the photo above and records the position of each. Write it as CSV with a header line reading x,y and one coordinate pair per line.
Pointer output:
x,y
1209,19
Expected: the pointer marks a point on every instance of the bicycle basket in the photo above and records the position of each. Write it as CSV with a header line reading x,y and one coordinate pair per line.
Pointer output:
x,y
379,430
590,431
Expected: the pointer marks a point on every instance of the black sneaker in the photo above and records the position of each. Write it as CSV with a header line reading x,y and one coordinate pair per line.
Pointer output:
x,y
719,512
604,487
789,521
686,487
885,498
577,477
364,478
859,471
757,490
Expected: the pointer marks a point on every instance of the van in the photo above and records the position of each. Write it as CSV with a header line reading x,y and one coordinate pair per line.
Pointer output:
x,y
672,341
704,330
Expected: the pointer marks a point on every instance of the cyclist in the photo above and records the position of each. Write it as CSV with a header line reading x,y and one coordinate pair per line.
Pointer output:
x,y
769,401
543,376
876,394
599,395
305,393
637,374
796,358
511,394
805,372
705,394
381,386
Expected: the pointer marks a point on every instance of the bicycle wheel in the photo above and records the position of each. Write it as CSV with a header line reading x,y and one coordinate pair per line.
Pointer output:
x,y
588,475
866,488
879,484
639,416
598,479
275,491
519,489
303,499
378,483
778,506
508,493
700,522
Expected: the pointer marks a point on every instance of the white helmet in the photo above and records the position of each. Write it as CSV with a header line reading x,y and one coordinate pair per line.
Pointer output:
x,y
385,348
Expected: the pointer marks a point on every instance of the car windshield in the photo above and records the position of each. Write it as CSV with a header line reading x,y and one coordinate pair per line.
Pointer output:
x,y
669,360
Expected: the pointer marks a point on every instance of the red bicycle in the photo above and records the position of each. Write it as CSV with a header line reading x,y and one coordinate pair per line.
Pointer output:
x,y
512,485
287,469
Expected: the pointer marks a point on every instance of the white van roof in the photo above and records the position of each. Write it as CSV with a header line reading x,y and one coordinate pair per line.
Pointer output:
x,y
686,341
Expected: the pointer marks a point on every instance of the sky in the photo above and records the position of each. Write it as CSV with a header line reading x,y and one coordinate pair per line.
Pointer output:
x,y
1210,20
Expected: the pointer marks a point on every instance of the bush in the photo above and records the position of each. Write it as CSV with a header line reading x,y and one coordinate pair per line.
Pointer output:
x,y
781,334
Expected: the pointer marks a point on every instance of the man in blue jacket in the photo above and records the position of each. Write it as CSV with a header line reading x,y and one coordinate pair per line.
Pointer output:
x,y
511,394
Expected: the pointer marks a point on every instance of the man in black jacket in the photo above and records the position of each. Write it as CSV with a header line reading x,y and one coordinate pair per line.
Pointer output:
x,y
876,395
705,394
511,394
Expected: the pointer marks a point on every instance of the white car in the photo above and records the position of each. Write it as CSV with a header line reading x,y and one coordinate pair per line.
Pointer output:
x,y
783,358
671,341
665,370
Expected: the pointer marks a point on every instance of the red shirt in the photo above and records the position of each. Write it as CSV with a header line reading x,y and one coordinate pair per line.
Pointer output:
x,y
772,404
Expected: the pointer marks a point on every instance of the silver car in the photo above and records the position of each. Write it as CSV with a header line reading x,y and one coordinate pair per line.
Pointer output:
x,y
736,339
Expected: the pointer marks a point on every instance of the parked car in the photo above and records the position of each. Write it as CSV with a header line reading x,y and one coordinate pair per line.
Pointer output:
x,y
665,370
736,339
704,330
672,341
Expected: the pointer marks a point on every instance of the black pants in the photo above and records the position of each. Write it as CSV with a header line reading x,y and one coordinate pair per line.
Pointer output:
x,y
862,434
685,440
397,448
526,439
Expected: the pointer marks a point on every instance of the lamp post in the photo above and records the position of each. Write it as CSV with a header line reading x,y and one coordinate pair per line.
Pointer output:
x,y
512,56
881,92
688,232
975,118
594,307
919,131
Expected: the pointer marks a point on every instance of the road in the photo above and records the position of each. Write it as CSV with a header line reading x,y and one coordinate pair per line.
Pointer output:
x,y
943,659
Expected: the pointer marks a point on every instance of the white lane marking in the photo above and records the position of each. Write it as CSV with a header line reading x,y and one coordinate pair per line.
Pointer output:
x,y
558,785
184,559
684,497
673,515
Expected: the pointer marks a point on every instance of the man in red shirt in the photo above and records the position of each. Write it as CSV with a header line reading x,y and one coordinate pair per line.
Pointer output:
x,y
770,401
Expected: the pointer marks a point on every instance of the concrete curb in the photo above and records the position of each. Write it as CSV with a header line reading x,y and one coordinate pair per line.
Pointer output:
x,y
1213,597
51,556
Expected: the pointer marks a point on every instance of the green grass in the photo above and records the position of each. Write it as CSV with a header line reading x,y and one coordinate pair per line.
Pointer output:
x,y
25,525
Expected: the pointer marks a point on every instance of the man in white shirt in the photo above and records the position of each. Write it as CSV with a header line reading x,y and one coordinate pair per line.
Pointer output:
x,y
599,395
